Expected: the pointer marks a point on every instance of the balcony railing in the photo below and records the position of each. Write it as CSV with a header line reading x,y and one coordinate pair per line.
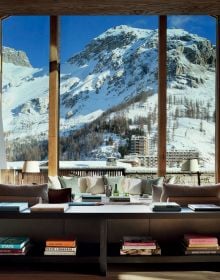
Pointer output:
x,y
15,176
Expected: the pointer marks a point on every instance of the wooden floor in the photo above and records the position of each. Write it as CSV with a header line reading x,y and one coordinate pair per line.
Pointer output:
x,y
115,272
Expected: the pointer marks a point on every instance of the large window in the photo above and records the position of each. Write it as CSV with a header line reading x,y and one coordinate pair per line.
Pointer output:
x,y
109,88
25,87
191,91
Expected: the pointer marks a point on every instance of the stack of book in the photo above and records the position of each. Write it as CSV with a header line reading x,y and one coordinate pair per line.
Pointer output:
x,y
139,245
91,198
200,244
60,247
14,245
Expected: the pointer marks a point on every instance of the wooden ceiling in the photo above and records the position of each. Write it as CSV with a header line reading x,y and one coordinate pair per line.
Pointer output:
x,y
109,7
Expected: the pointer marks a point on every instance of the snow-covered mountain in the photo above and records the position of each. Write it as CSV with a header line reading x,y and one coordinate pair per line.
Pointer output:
x,y
116,66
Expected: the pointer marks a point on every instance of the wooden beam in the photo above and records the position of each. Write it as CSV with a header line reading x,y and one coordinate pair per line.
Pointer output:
x,y
162,94
53,144
217,103
79,7
3,162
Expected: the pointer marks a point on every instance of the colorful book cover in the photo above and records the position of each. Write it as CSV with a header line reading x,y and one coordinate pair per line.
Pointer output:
x,y
60,243
200,239
146,247
13,242
22,251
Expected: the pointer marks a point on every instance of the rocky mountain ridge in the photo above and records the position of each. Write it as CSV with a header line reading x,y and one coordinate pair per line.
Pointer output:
x,y
113,68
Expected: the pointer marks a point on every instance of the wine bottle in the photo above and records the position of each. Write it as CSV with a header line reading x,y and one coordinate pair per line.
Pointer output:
x,y
116,192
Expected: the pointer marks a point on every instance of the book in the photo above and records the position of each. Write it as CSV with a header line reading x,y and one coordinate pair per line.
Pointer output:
x,y
22,251
119,198
139,246
200,239
215,246
61,249
129,239
204,207
202,252
126,243
13,242
59,253
46,207
60,243
91,198
146,252
13,206
165,206
85,203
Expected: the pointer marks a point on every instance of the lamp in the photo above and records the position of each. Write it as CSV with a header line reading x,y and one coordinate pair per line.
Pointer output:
x,y
191,165
30,166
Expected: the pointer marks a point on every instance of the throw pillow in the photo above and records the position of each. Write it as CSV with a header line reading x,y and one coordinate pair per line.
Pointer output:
x,y
171,180
25,190
70,182
59,196
82,184
132,186
149,182
95,185
175,190
53,182
156,193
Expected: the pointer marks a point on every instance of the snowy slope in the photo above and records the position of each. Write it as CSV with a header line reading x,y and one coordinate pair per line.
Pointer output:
x,y
114,67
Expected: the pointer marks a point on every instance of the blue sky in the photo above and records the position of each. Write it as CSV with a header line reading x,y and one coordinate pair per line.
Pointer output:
x,y
31,33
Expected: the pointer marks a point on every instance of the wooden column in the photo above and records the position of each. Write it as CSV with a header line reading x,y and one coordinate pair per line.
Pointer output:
x,y
162,90
217,102
53,145
3,162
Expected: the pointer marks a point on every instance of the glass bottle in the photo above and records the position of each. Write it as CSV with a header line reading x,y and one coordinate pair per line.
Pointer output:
x,y
116,192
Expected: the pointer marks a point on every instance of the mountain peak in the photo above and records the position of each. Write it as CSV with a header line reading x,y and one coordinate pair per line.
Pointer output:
x,y
19,58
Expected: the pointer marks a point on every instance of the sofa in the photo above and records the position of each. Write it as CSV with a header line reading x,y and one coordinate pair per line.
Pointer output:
x,y
33,194
187,194
96,184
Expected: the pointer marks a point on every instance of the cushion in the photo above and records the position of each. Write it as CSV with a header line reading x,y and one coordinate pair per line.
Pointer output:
x,y
70,182
175,190
149,182
95,185
82,184
53,182
59,196
32,200
25,190
132,186
156,193
119,180
171,180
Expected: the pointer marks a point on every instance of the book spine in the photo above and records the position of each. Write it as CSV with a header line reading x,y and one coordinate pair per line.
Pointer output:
x,y
11,246
60,244
203,245
202,241
48,253
127,243
60,249
196,252
139,247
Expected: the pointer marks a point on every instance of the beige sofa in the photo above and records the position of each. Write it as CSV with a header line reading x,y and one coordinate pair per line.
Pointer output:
x,y
187,194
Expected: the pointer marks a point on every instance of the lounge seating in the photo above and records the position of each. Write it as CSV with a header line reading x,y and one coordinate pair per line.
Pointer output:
x,y
187,194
